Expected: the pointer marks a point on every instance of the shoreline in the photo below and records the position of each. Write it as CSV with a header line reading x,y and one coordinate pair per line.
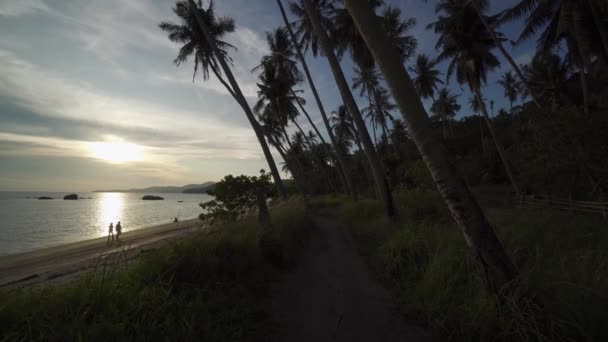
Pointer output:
x,y
56,263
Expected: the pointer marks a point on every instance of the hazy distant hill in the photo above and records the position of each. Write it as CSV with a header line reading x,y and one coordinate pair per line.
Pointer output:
x,y
190,189
201,189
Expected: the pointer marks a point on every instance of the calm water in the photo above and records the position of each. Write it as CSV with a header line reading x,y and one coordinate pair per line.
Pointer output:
x,y
28,224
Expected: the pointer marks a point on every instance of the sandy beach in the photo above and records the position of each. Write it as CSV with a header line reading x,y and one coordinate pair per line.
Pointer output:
x,y
58,263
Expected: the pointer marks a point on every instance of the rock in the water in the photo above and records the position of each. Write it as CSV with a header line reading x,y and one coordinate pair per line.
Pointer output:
x,y
70,197
152,198
45,198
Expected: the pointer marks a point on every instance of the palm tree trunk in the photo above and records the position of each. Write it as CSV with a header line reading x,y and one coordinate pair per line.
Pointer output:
x,y
501,152
296,173
504,52
373,117
240,98
375,163
329,179
326,176
479,235
596,12
305,112
375,135
585,89
342,166
483,142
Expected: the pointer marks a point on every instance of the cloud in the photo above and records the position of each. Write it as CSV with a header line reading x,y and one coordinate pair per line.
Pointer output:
x,y
53,96
10,8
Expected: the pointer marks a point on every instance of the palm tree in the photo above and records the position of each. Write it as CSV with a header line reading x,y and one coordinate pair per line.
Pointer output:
x,y
512,87
427,77
307,39
342,167
445,108
343,127
398,32
274,96
375,163
577,22
475,104
281,55
465,41
346,37
398,133
367,80
201,32
380,109
548,75
479,235
481,7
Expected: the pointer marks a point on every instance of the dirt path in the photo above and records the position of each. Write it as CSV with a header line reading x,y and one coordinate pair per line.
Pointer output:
x,y
332,296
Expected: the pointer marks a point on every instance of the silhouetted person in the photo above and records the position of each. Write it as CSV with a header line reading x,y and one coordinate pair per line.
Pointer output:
x,y
111,231
118,230
175,221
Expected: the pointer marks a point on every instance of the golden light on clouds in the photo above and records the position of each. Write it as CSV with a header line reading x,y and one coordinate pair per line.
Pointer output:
x,y
115,151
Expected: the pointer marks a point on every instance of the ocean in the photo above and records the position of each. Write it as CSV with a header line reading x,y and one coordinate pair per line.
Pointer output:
x,y
27,223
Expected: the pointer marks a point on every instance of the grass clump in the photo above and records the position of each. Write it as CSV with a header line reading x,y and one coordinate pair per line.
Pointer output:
x,y
562,259
206,287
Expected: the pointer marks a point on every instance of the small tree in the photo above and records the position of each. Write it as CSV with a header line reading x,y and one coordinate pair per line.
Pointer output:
x,y
238,196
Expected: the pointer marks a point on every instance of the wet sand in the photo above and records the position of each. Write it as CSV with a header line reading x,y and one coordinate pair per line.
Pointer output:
x,y
58,263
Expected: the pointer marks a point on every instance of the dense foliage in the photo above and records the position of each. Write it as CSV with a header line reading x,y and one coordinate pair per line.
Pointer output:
x,y
237,196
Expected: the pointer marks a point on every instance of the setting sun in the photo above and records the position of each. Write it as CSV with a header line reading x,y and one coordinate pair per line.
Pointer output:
x,y
115,152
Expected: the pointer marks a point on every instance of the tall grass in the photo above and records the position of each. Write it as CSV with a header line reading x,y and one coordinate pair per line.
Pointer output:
x,y
562,258
207,287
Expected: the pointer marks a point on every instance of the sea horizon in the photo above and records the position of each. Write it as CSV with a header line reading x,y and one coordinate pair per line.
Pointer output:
x,y
28,223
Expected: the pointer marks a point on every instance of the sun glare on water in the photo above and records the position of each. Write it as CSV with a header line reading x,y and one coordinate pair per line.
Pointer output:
x,y
115,151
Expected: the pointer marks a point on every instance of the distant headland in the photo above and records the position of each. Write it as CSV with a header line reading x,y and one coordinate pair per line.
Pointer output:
x,y
186,189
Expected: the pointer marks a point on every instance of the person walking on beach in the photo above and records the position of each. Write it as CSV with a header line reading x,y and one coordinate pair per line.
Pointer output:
x,y
118,230
111,231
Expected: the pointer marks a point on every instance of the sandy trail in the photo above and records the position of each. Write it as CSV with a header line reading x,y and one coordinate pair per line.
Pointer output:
x,y
332,296
60,262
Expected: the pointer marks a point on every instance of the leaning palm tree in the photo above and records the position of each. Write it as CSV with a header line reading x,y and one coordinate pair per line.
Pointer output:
x,y
467,44
480,7
306,39
475,104
427,77
201,32
343,127
346,37
380,109
498,269
398,32
579,23
511,86
282,56
367,81
445,108
376,165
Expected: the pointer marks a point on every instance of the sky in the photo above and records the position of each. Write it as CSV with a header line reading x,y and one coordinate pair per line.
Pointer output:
x,y
90,97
